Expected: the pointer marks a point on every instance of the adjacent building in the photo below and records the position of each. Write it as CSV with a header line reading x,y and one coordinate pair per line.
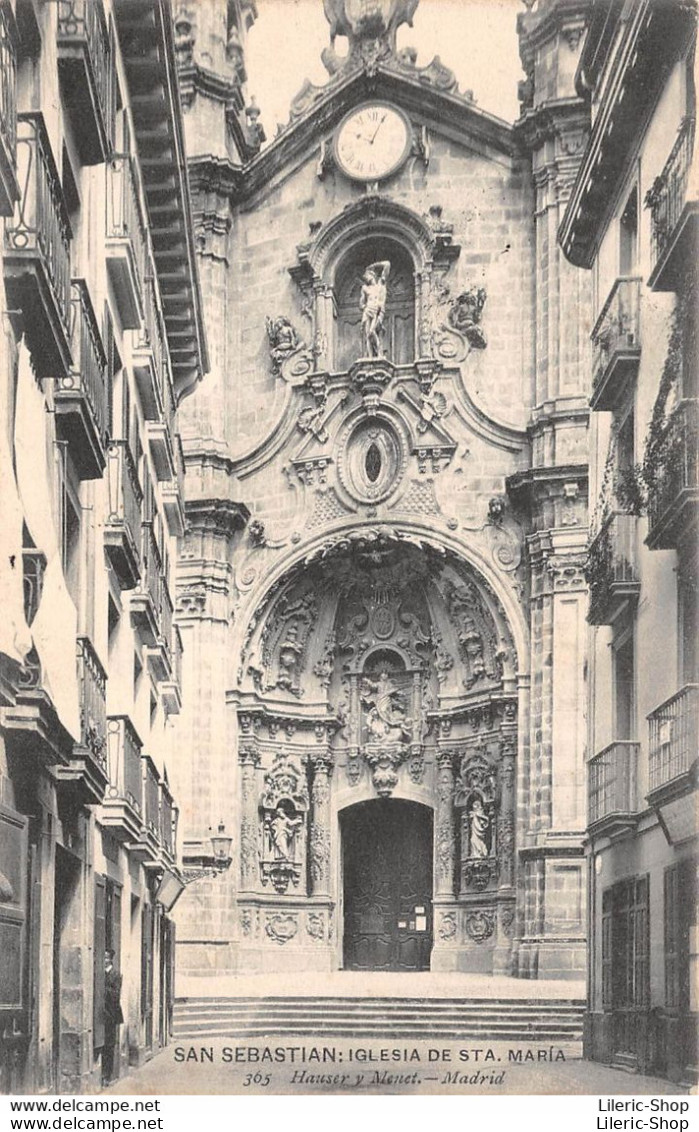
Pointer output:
x,y
100,339
631,224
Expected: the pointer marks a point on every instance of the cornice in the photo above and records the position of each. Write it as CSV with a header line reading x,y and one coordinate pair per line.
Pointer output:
x,y
651,42
452,114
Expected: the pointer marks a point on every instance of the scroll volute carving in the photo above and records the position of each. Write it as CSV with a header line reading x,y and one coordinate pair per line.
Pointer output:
x,y
283,809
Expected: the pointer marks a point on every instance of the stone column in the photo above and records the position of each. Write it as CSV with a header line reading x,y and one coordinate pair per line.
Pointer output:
x,y
506,817
319,848
249,758
444,841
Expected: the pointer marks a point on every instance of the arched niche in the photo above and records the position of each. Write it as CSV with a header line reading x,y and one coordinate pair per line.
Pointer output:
x,y
422,247
399,319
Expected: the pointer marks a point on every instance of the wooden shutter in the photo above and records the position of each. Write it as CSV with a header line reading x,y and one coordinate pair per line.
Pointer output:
x,y
607,951
100,943
13,908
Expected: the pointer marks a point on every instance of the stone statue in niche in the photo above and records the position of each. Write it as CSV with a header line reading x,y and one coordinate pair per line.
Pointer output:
x,y
479,829
283,826
284,805
476,796
386,714
290,653
372,303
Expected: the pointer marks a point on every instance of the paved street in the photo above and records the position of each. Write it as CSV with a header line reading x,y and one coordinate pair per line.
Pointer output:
x,y
224,1066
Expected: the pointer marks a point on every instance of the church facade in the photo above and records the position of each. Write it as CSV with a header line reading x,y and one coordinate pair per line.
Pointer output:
x,y
380,591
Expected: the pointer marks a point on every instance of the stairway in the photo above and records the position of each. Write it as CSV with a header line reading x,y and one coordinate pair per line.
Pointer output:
x,y
506,1020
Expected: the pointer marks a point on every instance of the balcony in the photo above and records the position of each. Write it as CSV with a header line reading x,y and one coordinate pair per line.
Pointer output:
x,y
126,240
9,189
146,599
160,656
171,690
161,435
612,793
146,847
121,811
86,776
37,251
673,760
616,345
82,396
168,823
86,70
674,202
122,528
672,499
611,569
149,352
172,491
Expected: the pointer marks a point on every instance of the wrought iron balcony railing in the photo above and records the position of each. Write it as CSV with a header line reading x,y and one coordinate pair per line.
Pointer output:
x,y
668,199
612,786
85,773
83,395
123,805
37,250
9,190
611,569
616,343
127,242
87,66
146,599
92,682
673,738
673,496
168,821
122,530
151,797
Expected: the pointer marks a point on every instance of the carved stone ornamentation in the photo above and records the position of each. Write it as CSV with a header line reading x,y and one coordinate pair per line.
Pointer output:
x,y
246,921
479,874
280,927
284,642
447,926
475,631
289,354
315,925
465,313
480,925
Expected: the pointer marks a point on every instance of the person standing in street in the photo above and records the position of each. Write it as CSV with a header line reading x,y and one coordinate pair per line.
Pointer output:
x,y
113,1016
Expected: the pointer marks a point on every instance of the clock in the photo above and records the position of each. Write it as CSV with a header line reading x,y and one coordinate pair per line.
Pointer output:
x,y
372,141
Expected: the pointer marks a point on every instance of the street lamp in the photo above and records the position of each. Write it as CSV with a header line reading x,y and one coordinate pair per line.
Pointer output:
x,y
213,864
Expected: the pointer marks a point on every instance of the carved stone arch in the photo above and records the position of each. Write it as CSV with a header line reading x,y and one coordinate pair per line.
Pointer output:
x,y
372,216
278,577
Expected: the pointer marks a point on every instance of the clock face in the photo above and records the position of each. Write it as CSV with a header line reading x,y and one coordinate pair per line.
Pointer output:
x,y
372,141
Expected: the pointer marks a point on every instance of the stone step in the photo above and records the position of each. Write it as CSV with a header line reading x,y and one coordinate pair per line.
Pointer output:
x,y
515,1020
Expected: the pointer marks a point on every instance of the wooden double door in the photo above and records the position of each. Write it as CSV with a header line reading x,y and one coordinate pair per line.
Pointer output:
x,y
387,879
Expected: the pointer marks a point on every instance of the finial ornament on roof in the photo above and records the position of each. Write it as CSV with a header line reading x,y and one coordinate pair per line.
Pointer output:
x,y
362,21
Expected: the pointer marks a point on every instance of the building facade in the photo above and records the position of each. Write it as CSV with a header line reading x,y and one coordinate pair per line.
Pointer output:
x,y
381,591
100,340
631,223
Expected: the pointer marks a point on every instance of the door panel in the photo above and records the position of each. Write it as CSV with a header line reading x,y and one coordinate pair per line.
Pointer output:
x,y
387,855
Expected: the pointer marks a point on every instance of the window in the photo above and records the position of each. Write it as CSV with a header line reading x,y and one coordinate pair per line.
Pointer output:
x,y
399,319
624,690
71,544
628,236
679,903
